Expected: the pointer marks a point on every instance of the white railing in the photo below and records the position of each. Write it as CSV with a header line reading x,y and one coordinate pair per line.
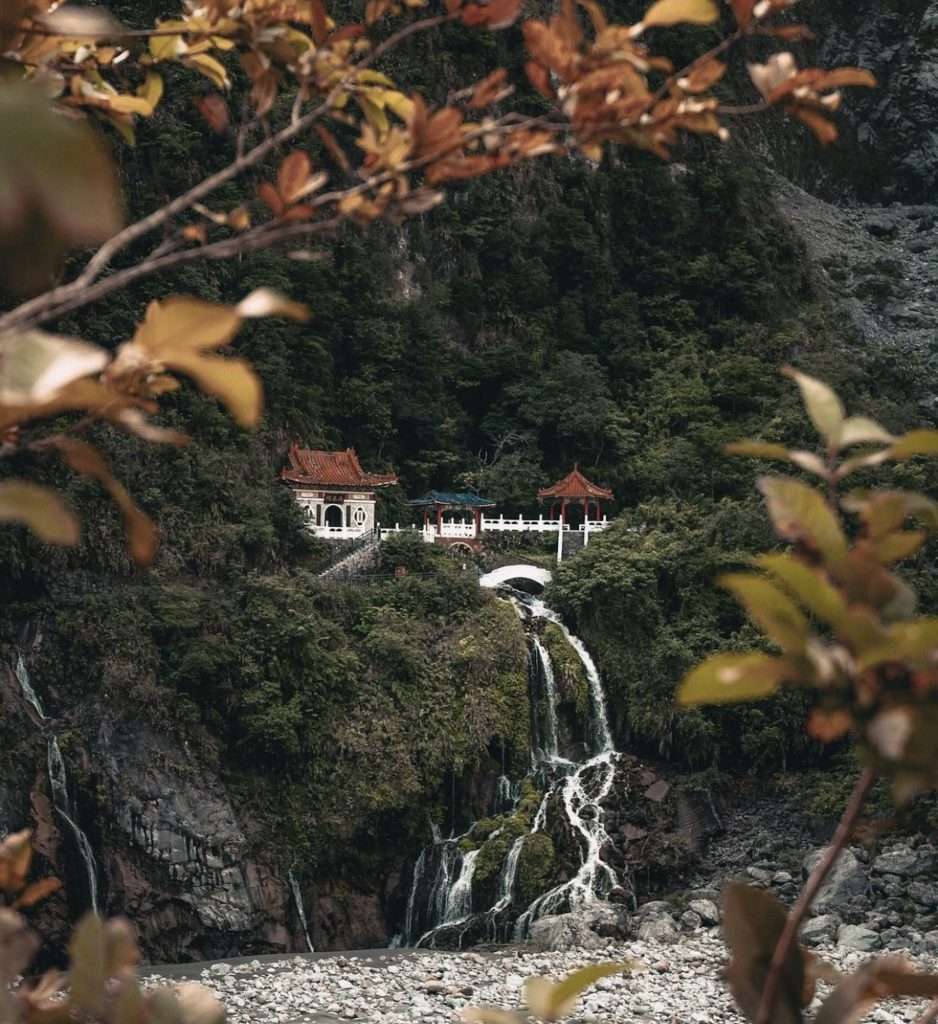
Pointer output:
x,y
453,529
539,525
428,532
338,532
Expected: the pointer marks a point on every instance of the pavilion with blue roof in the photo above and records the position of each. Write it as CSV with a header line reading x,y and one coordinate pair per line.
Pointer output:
x,y
458,528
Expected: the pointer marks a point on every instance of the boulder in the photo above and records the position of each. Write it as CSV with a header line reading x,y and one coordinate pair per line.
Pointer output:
x,y
690,921
823,928
846,884
859,937
706,910
925,893
589,928
661,929
899,861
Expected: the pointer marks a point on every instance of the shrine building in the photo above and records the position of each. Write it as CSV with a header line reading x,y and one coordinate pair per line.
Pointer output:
x,y
574,499
336,495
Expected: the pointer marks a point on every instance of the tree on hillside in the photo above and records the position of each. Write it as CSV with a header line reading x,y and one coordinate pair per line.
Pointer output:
x,y
327,138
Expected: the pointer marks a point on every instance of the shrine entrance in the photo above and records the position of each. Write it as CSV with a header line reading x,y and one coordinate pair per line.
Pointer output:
x,y
332,514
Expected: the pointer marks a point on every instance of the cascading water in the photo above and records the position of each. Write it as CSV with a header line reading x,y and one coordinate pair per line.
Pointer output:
x,y
300,908
58,784
574,790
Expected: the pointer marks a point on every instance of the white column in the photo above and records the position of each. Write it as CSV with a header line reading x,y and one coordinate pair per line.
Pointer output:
x,y
560,539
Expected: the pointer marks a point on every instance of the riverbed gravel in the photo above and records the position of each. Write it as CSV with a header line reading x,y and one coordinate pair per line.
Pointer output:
x,y
670,984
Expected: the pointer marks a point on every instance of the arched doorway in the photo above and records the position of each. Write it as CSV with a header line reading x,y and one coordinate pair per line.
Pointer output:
x,y
333,516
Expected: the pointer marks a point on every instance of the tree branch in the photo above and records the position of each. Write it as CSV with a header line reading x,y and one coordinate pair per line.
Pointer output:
x,y
802,906
78,292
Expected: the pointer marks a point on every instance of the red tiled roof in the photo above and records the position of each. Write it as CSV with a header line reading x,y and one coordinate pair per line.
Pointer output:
x,y
330,469
575,485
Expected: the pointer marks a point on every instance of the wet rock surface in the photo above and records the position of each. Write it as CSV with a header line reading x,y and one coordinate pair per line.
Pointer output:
x,y
678,982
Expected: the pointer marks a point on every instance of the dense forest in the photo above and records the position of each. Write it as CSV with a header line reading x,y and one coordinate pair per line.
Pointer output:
x,y
630,316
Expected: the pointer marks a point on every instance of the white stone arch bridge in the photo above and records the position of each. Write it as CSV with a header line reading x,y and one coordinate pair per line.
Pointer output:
x,y
507,573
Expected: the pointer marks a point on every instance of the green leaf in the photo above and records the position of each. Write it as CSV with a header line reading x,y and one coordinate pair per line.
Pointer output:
x,y
905,642
753,921
39,508
87,972
862,430
917,442
801,515
824,407
774,612
810,586
551,1000
898,546
727,677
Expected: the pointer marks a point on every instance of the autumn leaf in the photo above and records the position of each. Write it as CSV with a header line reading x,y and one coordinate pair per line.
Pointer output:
x,y
292,177
34,365
142,535
676,12
39,508
214,111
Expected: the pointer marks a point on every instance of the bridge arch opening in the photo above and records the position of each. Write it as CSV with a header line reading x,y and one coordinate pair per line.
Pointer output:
x,y
516,573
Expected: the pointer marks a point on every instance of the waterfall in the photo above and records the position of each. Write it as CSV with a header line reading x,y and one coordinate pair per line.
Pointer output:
x,y
58,784
575,790
459,898
300,909
546,672
600,734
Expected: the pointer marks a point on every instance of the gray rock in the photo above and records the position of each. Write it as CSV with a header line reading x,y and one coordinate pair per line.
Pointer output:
x,y
925,893
845,885
762,875
706,910
820,929
899,861
659,929
781,878
585,929
882,227
690,921
859,937
930,941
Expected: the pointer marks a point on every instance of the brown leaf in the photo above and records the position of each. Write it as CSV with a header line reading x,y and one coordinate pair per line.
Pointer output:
x,y
195,233
214,111
791,33
32,894
271,197
828,726
489,90
142,535
293,175
742,10
16,854
335,150
18,945
539,77
703,76
319,21
494,15
753,921
825,131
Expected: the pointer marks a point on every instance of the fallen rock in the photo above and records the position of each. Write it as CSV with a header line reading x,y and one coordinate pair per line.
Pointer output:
x,y
859,937
659,929
823,928
846,883
706,910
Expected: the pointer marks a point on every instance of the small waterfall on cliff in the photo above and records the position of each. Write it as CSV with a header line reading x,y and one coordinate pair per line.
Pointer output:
x,y
300,908
58,784
574,791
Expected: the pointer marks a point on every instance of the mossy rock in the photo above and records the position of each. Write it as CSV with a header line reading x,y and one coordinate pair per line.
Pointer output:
x,y
569,672
535,868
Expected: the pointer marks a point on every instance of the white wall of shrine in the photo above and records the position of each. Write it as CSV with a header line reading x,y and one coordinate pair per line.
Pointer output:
x,y
334,513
